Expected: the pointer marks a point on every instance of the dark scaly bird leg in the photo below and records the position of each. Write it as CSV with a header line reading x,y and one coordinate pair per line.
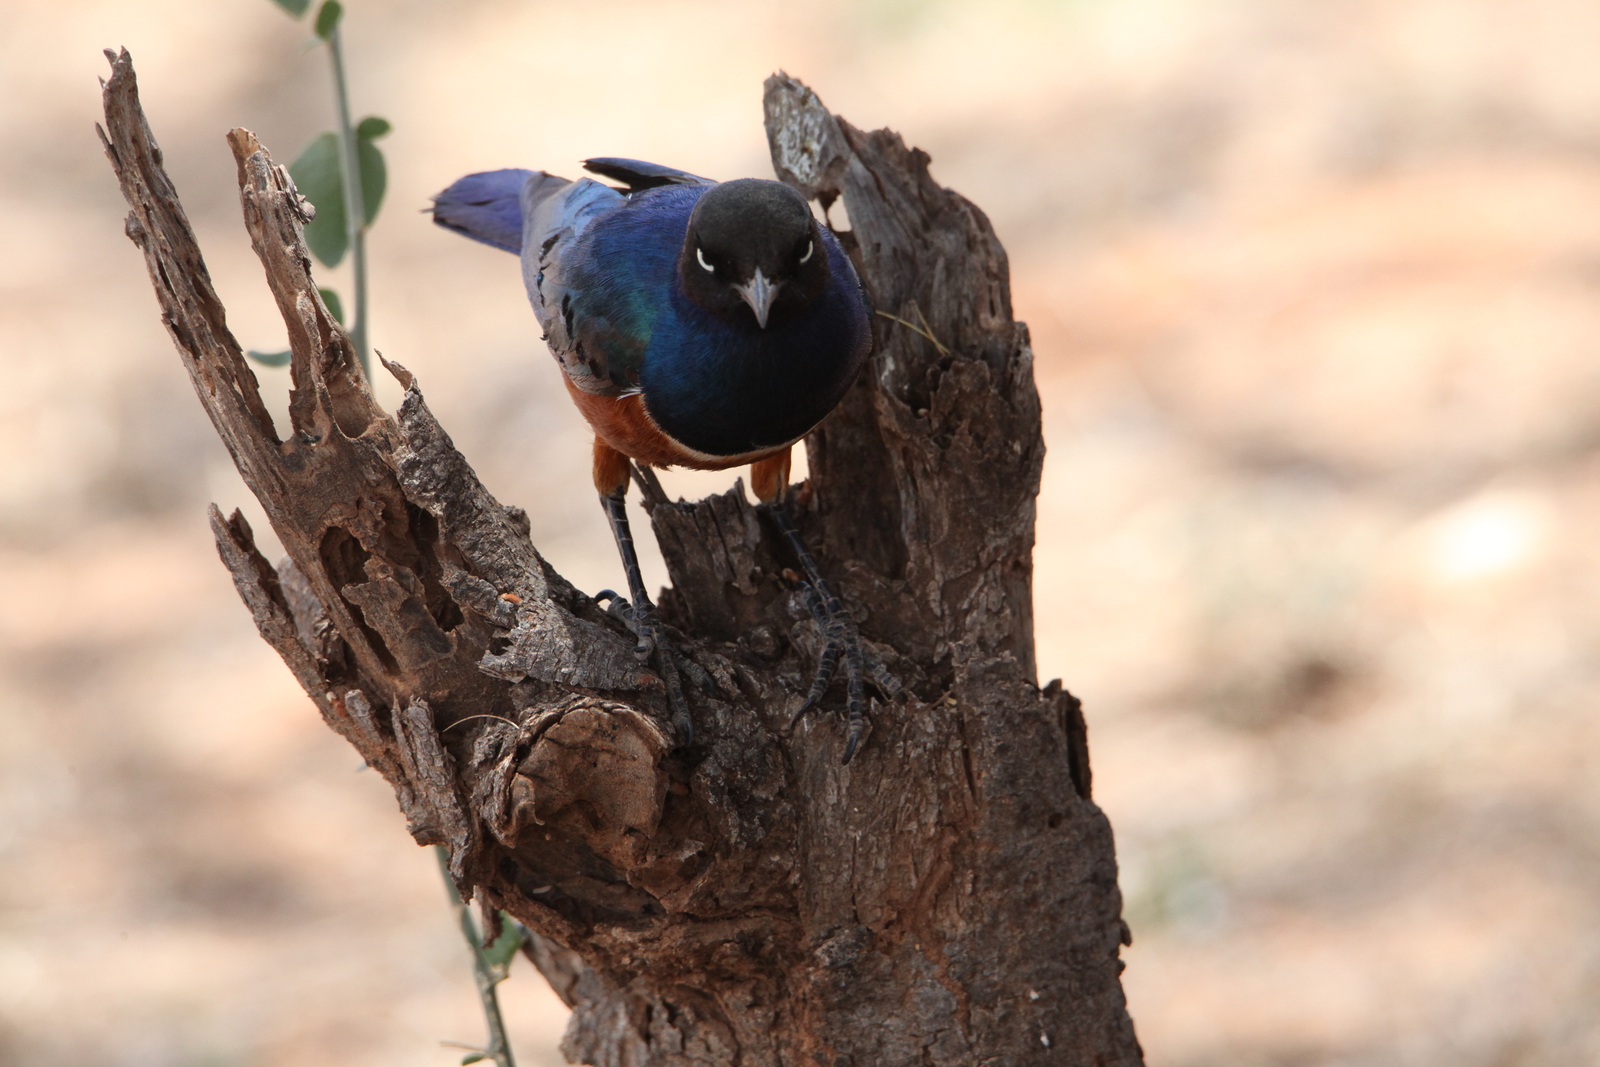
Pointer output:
x,y
611,472
841,637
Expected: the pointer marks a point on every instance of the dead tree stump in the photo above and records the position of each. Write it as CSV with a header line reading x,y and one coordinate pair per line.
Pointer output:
x,y
949,898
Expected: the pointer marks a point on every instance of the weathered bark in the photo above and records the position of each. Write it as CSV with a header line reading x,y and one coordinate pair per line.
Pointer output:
x,y
950,897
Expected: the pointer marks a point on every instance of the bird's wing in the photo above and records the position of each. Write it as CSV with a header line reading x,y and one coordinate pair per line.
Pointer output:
x,y
598,307
638,175
596,349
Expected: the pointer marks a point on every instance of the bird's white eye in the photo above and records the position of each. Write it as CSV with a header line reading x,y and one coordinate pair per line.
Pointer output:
x,y
811,246
699,253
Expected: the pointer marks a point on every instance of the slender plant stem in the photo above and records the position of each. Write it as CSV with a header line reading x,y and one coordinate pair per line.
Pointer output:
x,y
355,212
499,1048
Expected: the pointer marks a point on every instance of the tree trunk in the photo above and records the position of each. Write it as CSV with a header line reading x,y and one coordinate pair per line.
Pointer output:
x,y
950,897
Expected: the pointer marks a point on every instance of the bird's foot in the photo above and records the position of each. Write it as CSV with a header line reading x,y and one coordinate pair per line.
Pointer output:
x,y
652,644
842,640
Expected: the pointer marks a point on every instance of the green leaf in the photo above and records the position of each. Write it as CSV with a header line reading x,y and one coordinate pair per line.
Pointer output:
x,y
472,1057
269,359
374,173
294,7
505,946
316,175
330,300
374,177
328,17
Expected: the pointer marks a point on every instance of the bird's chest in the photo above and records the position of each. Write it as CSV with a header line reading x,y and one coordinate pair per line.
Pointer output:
x,y
724,390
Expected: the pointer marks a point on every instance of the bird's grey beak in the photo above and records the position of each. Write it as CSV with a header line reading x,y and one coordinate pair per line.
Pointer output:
x,y
759,294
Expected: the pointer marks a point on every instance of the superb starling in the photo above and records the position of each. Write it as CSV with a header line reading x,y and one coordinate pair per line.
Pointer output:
x,y
697,324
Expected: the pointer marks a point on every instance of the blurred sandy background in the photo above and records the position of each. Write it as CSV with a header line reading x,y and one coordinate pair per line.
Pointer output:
x,y
1313,286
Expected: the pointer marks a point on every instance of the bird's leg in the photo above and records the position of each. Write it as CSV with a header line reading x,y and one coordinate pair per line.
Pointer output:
x,y
769,478
611,479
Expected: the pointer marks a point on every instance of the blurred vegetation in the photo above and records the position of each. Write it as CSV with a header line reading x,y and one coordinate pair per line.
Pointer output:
x,y
345,209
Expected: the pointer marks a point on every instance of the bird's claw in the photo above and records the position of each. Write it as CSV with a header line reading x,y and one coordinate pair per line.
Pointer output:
x,y
641,621
641,624
842,640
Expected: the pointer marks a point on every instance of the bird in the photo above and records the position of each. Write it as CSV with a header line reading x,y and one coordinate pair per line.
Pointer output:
x,y
699,324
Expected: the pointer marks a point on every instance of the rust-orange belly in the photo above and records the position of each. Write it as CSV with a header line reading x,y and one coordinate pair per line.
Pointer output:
x,y
623,423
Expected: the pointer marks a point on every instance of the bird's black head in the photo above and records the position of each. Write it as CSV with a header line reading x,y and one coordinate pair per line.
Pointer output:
x,y
753,249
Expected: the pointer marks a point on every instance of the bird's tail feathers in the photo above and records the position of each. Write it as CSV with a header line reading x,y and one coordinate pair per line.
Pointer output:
x,y
487,206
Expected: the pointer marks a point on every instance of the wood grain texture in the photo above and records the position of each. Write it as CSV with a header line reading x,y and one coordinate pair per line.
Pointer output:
x,y
948,898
